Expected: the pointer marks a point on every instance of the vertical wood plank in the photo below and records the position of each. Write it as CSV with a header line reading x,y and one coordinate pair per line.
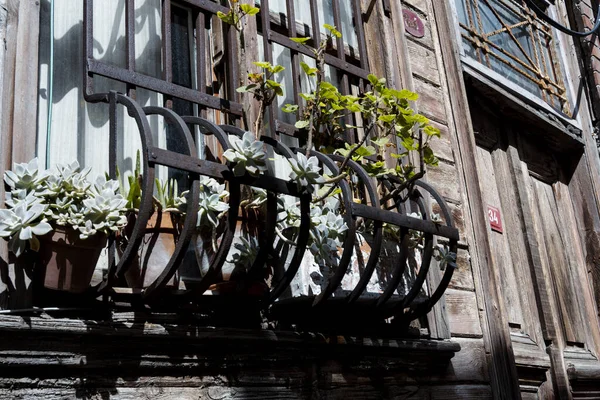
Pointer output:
x,y
18,137
558,263
250,54
546,305
581,296
399,74
504,379
9,55
26,78
500,251
587,216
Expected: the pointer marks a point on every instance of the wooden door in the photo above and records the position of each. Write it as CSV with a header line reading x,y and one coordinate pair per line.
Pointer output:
x,y
537,255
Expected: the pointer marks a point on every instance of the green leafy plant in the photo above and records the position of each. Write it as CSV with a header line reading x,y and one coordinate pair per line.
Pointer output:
x,y
263,88
393,147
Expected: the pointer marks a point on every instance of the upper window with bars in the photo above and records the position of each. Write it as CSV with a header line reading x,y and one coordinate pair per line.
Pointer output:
x,y
178,53
506,37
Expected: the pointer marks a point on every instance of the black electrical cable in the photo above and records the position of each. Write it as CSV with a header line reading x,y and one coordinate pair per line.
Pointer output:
x,y
541,14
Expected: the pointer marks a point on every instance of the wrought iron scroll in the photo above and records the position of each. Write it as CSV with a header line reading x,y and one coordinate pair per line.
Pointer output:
x,y
389,303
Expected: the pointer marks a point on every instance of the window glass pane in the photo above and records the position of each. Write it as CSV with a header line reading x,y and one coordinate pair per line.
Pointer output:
x,y
348,27
282,56
506,37
109,44
148,37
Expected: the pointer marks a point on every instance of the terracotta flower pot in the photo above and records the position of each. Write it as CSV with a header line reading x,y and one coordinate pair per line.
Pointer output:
x,y
69,261
161,235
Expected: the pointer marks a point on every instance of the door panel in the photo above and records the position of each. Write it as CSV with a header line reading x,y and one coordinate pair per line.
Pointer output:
x,y
553,243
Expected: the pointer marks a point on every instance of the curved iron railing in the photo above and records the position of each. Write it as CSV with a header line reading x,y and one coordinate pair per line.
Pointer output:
x,y
412,305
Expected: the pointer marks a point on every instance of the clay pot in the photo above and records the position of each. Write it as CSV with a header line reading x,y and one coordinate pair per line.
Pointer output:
x,y
161,235
69,261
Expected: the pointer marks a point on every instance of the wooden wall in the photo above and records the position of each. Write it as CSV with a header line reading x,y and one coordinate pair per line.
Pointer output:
x,y
477,312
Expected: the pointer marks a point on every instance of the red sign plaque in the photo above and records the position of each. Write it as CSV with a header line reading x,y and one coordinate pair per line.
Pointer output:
x,y
495,218
413,24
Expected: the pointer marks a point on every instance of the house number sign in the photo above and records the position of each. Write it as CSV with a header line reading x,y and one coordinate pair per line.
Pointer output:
x,y
413,24
495,218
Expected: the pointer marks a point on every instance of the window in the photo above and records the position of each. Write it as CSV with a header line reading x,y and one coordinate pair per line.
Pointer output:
x,y
506,37
182,61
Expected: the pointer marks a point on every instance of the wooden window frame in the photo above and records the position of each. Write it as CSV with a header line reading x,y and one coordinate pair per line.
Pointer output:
x,y
525,101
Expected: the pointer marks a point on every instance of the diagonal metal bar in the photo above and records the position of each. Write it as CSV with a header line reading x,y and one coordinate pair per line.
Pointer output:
x,y
509,31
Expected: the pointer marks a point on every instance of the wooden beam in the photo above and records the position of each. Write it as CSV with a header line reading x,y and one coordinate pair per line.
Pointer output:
x,y
7,72
18,128
439,326
26,82
503,371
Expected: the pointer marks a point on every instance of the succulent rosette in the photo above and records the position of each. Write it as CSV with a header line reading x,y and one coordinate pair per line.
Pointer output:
x,y
247,155
39,199
305,171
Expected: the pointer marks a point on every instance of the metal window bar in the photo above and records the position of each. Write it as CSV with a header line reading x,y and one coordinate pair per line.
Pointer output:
x,y
533,67
133,79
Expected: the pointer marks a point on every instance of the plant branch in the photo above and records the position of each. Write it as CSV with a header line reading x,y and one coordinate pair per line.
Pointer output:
x,y
320,60
403,186
343,175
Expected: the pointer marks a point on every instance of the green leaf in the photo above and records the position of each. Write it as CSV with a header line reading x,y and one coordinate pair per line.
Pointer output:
x,y
429,157
381,141
289,108
365,151
387,118
227,18
375,169
249,9
373,79
332,30
300,40
408,95
342,152
275,86
262,64
308,70
307,96
277,68
301,124
326,86
432,131
354,108
244,89
399,155
408,143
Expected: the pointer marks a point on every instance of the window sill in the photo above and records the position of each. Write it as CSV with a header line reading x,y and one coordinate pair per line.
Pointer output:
x,y
136,344
566,131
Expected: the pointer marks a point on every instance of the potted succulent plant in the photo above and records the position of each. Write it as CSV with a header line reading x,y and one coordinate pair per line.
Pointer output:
x,y
64,217
161,234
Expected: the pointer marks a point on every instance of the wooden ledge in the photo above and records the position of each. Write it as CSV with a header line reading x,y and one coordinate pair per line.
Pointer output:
x,y
128,342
